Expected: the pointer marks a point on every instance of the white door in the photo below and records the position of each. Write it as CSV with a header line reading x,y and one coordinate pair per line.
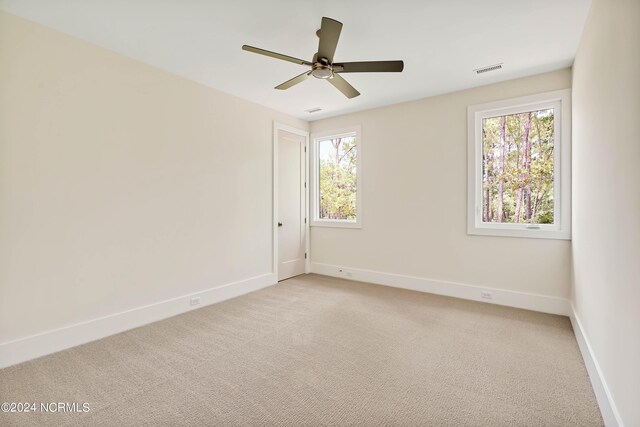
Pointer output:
x,y
291,205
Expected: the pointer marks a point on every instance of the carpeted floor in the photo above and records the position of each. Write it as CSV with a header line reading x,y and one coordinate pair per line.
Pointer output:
x,y
321,351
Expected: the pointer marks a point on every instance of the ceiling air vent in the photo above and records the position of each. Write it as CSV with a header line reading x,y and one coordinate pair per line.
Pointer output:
x,y
488,68
313,110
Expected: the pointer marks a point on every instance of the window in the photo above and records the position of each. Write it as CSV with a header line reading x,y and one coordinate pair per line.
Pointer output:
x,y
336,179
519,162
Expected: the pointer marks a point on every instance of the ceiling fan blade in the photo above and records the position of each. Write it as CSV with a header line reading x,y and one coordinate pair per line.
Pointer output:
x,y
275,55
369,67
329,35
343,86
294,81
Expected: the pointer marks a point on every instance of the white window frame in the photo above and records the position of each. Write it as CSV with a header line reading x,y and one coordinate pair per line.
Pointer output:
x,y
316,221
561,102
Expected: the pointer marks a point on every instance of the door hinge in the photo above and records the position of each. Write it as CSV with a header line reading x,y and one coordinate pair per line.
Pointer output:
x,y
305,220
305,149
305,255
305,185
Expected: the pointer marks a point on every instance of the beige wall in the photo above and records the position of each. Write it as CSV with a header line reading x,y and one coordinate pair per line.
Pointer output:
x,y
606,197
415,199
120,184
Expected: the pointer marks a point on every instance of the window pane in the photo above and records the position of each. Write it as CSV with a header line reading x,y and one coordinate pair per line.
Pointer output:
x,y
337,178
517,172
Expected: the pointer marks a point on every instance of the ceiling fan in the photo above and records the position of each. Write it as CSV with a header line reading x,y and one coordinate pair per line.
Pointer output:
x,y
322,65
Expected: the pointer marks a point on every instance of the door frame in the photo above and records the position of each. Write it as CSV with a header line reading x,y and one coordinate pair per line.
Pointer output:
x,y
277,127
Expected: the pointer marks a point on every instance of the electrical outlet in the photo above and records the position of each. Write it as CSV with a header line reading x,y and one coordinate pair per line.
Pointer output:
x,y
194,301
344,272
486,294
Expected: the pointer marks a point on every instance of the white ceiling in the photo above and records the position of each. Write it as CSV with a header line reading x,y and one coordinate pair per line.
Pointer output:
x,y
441,42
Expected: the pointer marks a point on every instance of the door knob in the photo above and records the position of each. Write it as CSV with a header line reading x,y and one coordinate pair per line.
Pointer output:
x,y
279,224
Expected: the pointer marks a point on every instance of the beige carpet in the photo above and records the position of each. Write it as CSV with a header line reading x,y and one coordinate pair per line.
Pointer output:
x,y
320,351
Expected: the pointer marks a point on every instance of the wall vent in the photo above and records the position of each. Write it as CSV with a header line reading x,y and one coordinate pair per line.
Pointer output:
x,y
488,68
313,110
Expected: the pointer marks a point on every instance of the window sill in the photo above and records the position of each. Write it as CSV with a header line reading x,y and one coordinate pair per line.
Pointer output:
x,y
335,224
520,231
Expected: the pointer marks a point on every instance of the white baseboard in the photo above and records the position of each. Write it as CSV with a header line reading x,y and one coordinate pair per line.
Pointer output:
x,y
542,303
606,403
30,347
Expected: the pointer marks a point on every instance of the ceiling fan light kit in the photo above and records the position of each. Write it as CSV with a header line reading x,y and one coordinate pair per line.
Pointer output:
x,y
320,71
322,65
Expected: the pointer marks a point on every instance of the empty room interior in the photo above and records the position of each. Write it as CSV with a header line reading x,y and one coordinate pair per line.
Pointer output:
x,y
339,213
